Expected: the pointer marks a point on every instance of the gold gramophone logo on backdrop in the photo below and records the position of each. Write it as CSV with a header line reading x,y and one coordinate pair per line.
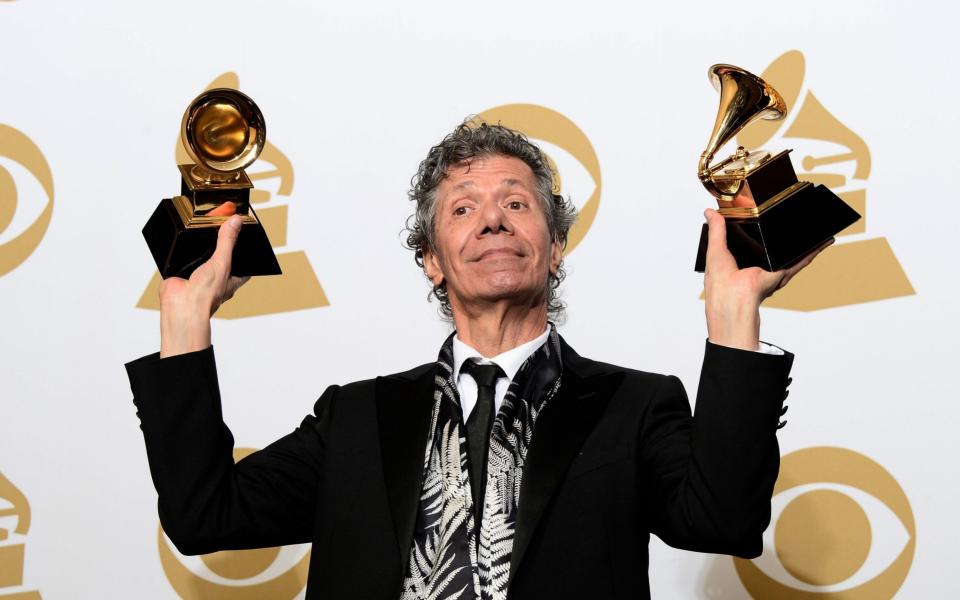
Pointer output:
x,y
275,573
547,125
14,525
841,527
298,288
18,240
852,271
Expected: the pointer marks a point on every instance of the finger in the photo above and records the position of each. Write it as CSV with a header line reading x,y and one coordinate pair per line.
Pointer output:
x,y
226,240
804,262
717,252
224,210
744,198
234,284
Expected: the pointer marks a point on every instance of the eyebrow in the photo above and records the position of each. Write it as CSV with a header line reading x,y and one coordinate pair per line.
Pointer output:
x,y
508,182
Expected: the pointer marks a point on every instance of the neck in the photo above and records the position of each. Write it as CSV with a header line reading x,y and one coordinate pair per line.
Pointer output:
x,y
494,329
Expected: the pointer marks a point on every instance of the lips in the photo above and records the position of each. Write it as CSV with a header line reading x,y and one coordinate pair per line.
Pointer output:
x,y
498,253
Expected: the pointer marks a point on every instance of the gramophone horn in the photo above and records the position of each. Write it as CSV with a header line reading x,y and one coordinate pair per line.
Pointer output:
x,y
744,97
223,132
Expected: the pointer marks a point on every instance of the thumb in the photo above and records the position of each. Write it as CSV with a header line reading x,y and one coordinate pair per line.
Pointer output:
x,y
226,240
716,236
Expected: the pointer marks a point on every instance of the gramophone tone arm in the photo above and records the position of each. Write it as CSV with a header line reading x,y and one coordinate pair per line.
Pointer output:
x,y
706,176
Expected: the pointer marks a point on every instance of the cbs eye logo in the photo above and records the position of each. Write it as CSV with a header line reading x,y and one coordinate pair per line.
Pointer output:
x,y
279,573
841,527
23,218
568,150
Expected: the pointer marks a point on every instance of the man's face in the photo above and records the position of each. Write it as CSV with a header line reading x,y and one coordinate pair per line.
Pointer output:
x,y
491,235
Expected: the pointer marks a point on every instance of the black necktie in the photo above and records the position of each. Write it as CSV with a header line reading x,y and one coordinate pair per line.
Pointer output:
x,y
479,424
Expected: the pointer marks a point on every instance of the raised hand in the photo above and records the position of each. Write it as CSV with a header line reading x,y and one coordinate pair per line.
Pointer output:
x,y
733,295
186,305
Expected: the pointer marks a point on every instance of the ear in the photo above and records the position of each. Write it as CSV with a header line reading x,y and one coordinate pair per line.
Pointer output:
x,y
431,266
556,256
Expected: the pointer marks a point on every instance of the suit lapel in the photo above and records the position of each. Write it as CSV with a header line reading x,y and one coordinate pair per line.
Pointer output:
x,y
560,432
404,405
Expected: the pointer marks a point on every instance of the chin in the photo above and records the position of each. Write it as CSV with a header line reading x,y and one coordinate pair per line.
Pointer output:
x,y
505,285
519,291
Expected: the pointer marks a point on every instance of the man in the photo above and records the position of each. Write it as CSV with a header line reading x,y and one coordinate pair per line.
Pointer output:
x,y
541,476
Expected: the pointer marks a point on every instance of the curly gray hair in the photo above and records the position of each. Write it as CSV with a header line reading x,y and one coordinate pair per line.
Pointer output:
x,y
471,140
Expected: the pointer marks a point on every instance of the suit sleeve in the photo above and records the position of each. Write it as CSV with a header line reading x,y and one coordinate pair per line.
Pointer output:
x,y
711,477
205,501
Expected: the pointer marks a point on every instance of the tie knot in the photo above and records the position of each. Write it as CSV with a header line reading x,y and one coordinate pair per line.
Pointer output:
x,y
485,375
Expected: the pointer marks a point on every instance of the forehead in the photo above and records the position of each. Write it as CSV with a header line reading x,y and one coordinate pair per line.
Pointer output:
x,y
486,172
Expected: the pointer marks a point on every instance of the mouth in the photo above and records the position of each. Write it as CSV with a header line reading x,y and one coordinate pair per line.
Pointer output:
x,y
498,253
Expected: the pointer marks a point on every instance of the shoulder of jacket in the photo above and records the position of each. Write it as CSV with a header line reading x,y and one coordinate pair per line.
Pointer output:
x,y
367,386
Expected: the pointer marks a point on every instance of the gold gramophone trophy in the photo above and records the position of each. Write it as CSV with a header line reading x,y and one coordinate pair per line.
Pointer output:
x,y
223,132
773,220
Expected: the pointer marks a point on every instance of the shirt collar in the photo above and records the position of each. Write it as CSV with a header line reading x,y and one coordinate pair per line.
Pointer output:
x,y
510,361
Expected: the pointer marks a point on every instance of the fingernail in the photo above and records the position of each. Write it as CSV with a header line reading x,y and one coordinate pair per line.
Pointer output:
x,y
235,221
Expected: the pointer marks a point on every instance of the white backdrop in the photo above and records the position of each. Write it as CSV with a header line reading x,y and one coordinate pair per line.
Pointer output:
x,y
354,95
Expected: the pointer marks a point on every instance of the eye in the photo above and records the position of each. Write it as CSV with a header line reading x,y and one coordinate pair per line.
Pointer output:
x,y
460,211
26,197
259,573
839,526
869,533
516,205
22,199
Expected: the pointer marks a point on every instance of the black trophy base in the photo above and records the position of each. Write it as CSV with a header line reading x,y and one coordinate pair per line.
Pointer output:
x,y
178,247
782,235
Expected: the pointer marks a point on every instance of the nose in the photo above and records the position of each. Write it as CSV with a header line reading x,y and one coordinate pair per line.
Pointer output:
x,y
493,218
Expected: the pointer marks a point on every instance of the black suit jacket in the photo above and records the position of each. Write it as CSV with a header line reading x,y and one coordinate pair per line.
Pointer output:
x,y
616,455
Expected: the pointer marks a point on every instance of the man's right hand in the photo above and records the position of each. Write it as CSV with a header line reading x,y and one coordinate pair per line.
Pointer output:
x,y
186,305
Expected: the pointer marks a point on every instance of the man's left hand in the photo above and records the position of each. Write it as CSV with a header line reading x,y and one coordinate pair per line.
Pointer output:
x,y
733,295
